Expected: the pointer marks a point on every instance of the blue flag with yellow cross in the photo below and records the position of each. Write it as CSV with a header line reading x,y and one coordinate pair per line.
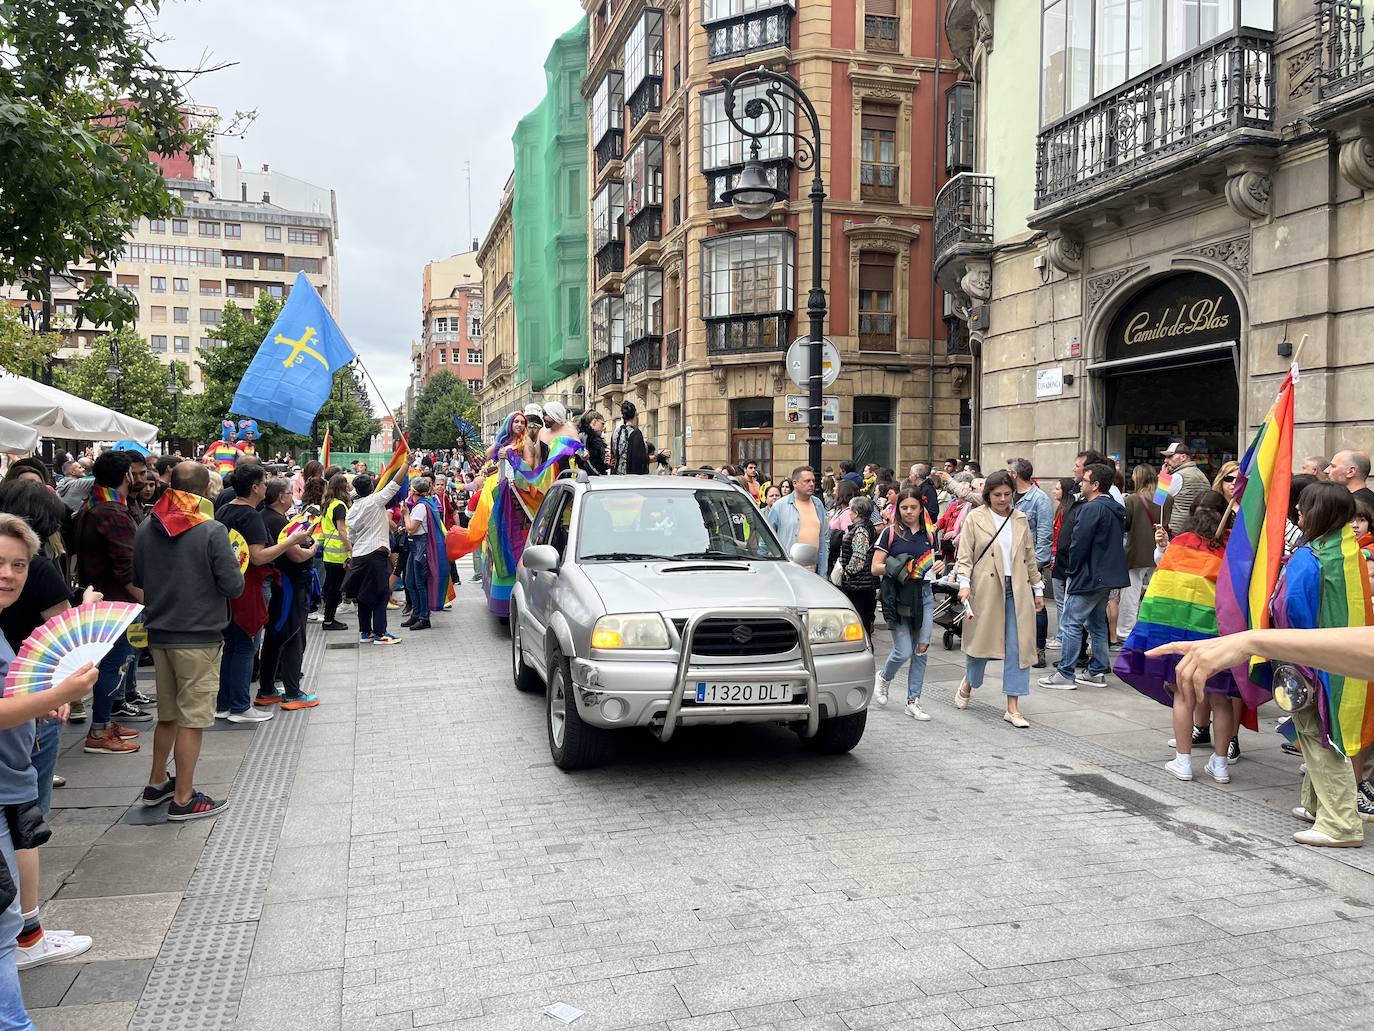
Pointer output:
x,y
292,373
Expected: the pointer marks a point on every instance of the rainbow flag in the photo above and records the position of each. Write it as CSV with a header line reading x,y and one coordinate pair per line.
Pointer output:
x,y
1179,605
1168,486
324,448
398,468
919,567
1254,553
1324,585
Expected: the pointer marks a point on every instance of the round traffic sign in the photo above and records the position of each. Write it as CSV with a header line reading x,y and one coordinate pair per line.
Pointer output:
x,y
798,362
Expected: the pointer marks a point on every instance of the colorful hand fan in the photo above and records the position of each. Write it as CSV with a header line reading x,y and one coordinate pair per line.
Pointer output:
x,y
67,642
240,546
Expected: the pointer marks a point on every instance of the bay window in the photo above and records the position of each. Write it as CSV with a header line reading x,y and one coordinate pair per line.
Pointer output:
x,y
960,128
644,191
724,149
747,290
608,325
608,228
643,305
740,26
608,119
644,64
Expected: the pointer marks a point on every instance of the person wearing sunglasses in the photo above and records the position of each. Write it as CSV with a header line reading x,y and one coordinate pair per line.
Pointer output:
x,y
1225,483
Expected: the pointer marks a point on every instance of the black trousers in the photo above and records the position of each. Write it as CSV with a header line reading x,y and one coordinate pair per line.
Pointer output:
x,y
865,602
372,587
333,588
283,650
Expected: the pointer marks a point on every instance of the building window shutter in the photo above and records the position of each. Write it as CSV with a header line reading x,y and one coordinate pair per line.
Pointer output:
x,y
881,8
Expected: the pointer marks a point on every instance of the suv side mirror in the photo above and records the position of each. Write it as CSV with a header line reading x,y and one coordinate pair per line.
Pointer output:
x,y
801,554
541,558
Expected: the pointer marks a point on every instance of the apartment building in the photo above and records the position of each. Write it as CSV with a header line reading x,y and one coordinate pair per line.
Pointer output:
x,y
693,307
498,393
241,233
452,326
1158,200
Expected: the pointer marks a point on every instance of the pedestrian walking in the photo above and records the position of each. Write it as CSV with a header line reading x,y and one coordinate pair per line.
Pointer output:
x,y
1142,516
857,581
1000,583
1096,567
1064,494
1039,511
799,517
904,559
370,569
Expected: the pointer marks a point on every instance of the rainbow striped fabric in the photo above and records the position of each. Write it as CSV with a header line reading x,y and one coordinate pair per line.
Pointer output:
x,y
1179,605
919,567
100,495
324,449
1254,553
1324,585
397,468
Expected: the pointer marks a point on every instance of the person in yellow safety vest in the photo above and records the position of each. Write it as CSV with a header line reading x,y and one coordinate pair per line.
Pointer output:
x,y
336,546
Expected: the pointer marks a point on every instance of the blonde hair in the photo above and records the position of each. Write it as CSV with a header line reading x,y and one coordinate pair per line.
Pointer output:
x,y
1222,473
13,526
1143,477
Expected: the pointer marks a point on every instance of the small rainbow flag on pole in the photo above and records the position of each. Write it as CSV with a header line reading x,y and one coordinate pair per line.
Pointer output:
x,y
1254,553
1168,486
324,448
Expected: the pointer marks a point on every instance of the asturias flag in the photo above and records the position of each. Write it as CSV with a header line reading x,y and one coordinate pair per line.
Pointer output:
x,y
292,373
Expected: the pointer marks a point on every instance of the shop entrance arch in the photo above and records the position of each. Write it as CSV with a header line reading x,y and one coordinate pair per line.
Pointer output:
x,y
1169,369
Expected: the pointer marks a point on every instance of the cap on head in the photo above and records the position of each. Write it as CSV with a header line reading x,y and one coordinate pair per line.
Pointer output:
x,y
1176,448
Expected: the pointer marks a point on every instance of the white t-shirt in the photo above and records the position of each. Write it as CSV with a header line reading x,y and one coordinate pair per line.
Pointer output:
x,y
420,513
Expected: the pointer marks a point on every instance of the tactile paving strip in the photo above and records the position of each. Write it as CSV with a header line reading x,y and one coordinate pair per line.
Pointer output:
x,y
198,976
1253,815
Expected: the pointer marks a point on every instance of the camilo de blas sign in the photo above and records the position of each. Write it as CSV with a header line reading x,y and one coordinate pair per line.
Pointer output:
x,y
1202,316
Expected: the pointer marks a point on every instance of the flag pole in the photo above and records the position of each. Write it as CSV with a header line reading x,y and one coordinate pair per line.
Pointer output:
x,y
382,397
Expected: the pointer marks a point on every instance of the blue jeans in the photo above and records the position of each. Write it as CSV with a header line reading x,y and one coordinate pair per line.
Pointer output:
x,y
46,744
417,580
235,671
109,685
904,645
1084,612
1015,680
13,1016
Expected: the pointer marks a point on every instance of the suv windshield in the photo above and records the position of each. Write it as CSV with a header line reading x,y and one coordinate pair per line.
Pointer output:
x,y
672,524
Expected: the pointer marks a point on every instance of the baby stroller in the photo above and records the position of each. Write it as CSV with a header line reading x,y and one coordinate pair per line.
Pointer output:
x,y
949,613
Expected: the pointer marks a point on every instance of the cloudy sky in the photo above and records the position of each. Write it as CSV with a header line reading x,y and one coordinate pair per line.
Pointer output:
x,y
383,102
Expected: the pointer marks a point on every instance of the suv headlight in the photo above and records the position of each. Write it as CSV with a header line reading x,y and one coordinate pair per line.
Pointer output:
x,y
834,626
630,631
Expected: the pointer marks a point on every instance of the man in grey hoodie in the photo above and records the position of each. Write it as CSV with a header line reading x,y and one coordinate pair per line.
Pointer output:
x,y
188,571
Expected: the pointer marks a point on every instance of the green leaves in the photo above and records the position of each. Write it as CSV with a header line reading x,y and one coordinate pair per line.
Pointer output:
x,y
444,396
140,389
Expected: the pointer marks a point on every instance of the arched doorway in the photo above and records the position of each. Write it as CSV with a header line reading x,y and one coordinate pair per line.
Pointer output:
x,y
1169,370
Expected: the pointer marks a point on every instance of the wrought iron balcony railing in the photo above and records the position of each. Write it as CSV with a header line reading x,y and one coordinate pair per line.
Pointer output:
x,y
1345,47
496,366
743,333
1226,85
646,226
672,349
610,258
956,336
745,33
610,371
648,96
645,355
611,147
963,214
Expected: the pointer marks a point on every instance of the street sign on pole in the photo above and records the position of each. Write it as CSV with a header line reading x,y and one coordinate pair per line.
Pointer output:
x,y
799,366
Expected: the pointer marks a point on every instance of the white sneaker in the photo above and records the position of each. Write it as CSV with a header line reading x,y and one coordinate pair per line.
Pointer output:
x,y
251,716
221,714
1302,814
54,946
1180,767
880,687
914,710
1219,771
1056,681
314,617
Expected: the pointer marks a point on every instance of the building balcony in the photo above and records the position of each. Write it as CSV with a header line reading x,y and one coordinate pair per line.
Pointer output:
x,y
609,371
748,33
645,355
743,334
718,180
1181,116
610,259
610,149
446,337
496,367
963,224
647,97
501,290
646,226
672,349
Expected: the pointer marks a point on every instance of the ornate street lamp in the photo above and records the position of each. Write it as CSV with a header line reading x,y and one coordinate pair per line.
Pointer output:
x,y
753,196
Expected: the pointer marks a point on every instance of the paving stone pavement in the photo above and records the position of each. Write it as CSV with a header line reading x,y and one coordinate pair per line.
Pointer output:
x,y
433,869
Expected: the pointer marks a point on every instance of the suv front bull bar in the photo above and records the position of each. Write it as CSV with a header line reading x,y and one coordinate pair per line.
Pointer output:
x,y
810,710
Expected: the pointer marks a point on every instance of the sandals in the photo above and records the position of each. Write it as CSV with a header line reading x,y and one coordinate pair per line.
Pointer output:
x,y
1016,720
962,695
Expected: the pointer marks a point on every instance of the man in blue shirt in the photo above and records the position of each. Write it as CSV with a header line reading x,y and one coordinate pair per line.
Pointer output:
x,y
799,517
1039,510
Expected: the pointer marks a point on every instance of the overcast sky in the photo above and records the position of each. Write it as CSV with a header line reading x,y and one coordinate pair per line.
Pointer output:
x,y
383,102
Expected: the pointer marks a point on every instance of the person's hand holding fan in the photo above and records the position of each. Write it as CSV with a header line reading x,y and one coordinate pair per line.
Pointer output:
x,y
71,641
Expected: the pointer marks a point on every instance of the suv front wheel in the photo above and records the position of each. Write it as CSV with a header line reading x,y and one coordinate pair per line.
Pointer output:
x,y
574,745
837,735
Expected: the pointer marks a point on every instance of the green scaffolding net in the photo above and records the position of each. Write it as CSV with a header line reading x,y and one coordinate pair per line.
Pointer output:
x,y
549,213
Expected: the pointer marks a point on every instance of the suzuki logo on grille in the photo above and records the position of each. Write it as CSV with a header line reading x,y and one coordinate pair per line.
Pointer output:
x,y
742,634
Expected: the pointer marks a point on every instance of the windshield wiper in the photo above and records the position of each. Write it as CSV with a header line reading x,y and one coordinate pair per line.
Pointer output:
x,y
622,556
711,553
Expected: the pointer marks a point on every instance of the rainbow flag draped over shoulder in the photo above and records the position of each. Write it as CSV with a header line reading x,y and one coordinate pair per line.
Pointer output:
x,y
440,593
1254,554
1325,585
1179,605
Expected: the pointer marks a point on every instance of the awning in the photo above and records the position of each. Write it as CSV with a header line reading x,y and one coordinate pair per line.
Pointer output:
x,y
1178,358
16,438
55,413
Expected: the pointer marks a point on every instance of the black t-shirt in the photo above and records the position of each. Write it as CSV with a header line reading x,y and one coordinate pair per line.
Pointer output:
x,y
44,588
247,521
1366,494
276,523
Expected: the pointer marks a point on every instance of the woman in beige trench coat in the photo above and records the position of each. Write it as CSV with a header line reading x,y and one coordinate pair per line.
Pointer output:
x,y
1000,581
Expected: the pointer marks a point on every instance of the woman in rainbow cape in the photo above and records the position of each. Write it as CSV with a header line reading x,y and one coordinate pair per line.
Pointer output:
x,y
506,506
1180,604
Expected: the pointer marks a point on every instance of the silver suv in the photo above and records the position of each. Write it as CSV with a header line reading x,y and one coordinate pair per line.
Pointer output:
x,y
662,602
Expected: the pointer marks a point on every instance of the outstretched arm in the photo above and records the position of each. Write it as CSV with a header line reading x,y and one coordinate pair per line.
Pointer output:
x,y
1347,651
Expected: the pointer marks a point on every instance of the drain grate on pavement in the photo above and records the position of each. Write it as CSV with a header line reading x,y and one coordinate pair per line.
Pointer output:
x,y
198,977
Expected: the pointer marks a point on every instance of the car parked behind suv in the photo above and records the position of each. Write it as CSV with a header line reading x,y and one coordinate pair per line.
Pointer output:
x,y
667,602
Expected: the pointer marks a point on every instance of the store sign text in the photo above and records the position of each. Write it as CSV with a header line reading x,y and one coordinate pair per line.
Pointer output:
x,y
1202,316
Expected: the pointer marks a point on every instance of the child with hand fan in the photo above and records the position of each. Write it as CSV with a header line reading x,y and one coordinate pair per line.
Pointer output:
x,y
18,779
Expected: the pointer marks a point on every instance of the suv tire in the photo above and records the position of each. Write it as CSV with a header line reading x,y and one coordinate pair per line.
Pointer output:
x,y
837,735
526,679
573,744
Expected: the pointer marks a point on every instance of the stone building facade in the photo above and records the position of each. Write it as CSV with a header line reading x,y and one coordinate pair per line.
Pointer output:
x,y
1142,244
496,258
692,307
451,320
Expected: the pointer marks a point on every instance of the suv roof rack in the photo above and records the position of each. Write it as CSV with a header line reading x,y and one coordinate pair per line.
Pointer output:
x,y
580,475
715,474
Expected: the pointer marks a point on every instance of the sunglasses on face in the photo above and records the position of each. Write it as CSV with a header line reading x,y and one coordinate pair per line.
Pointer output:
x,y
1229,479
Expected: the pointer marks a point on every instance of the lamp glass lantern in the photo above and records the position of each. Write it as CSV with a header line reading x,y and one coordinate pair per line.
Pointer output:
x,y
753,196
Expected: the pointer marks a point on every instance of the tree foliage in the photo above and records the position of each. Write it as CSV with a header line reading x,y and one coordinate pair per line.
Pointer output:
x,y
84,108
23,351
140,388
431,424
